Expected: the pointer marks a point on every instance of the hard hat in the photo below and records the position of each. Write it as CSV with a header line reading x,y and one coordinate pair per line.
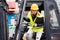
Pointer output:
x,y
34,7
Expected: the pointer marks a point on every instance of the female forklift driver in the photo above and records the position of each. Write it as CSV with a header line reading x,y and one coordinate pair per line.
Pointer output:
x,y
36,23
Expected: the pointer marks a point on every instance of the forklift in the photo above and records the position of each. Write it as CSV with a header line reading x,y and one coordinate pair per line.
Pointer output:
x,y
52,19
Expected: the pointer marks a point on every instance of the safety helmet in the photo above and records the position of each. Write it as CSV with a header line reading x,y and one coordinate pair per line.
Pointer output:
x,y
34,7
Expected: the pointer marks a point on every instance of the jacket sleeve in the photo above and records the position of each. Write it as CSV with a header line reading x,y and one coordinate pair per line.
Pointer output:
x,y
40,21
26,19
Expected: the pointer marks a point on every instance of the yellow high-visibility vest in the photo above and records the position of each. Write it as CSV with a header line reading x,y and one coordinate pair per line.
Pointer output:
x,y
35,29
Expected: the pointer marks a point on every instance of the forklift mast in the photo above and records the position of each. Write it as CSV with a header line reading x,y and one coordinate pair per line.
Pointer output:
x,y
19,29
3,20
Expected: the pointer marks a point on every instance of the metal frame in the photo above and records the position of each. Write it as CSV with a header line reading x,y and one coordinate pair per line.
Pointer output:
x,y
20,29
3,23
48,26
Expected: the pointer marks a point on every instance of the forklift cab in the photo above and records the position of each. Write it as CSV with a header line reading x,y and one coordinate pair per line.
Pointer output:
x,y
52,22
26,9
